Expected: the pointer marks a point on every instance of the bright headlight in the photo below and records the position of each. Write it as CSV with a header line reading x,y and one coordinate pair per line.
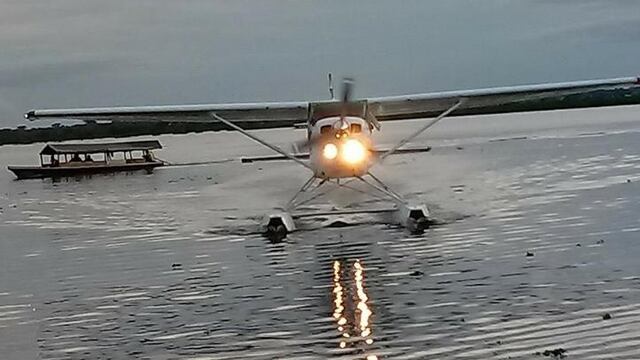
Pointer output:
x,y
330,151
353,151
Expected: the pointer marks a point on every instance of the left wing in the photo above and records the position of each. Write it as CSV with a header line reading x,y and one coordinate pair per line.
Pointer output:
x,y
430,104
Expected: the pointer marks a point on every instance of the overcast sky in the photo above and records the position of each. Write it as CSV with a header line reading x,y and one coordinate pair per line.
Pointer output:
x,y
80,53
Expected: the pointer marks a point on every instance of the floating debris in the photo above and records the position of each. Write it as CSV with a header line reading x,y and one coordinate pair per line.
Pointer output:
x,y
606,316
558,353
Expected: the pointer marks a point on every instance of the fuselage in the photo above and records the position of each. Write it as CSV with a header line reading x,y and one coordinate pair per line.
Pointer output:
x,y
340,148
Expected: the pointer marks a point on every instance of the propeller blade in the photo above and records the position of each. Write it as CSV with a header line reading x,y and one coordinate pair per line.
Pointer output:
x,y
347,89
301,146
333,97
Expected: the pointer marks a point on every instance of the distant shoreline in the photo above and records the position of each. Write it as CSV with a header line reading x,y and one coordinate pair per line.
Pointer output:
x,y
57,132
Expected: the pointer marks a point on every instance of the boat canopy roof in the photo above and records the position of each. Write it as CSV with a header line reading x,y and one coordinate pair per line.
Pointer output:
x,y
53,149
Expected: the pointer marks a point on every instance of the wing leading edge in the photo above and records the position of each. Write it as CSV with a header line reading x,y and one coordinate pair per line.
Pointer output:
x,y
277,111
383,108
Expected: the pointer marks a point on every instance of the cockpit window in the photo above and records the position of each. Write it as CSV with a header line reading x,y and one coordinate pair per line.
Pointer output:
x,y
356,128
325,129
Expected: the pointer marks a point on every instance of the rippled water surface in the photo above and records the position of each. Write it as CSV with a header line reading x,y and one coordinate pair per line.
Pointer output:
x,y
539,239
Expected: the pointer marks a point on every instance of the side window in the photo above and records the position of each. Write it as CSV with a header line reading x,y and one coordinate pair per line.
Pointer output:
x,y
356,128
325,129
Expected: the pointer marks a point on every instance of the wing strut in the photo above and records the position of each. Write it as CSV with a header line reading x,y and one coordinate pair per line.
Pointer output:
x,y
404,141
260,141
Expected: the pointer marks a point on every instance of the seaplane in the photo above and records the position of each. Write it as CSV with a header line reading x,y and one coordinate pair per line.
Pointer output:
x,y
338,148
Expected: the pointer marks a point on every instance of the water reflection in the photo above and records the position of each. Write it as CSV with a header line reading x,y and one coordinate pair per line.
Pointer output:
x,y
352,312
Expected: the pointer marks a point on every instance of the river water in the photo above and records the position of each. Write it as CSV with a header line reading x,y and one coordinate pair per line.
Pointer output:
x,y
537,242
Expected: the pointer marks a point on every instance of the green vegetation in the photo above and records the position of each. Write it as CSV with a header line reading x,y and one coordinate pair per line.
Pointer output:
x,y
57,132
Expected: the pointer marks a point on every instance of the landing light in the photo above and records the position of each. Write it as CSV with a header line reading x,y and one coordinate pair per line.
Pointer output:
x,y
330,151
353,151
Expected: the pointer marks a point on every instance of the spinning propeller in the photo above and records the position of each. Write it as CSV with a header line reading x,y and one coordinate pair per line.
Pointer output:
x,y
346,92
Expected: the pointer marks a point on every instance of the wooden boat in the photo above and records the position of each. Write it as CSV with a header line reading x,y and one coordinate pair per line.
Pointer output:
x,y
69,160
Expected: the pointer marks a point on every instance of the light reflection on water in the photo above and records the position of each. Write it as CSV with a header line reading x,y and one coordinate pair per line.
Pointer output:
x,y
352,312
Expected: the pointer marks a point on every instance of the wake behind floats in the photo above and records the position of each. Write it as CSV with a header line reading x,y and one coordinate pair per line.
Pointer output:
x,y
338,144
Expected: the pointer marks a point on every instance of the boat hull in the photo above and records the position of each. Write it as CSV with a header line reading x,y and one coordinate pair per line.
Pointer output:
x,y
37,172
